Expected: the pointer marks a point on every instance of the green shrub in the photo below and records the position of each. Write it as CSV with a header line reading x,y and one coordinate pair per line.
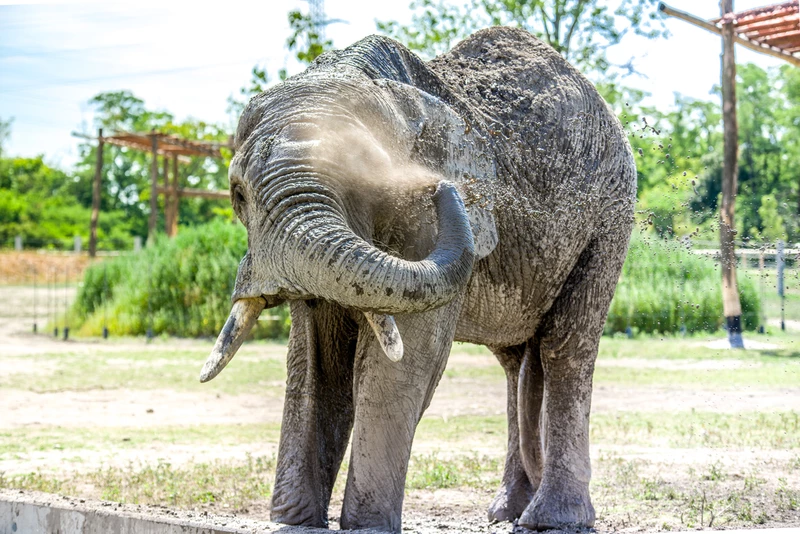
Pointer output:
x,y
179,286
182,287
664,286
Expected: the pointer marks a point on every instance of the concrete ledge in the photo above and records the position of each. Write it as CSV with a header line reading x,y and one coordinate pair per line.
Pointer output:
x,y
26,512
29,512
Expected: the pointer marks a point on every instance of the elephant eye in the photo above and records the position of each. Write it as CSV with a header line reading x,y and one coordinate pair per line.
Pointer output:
x,y
238,196
239,202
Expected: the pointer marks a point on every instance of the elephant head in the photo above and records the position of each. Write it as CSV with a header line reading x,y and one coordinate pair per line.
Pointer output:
x,y
317,158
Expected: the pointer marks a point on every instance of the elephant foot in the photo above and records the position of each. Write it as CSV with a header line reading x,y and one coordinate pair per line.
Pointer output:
x,y
555,507
295,509
510,501
391,524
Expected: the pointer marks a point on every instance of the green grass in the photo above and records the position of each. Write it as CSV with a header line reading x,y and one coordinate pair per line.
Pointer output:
x,y
179,286
15,442
234,484
151,369
766,285
710,497
429,471
691,348
450,453
687,430
664,287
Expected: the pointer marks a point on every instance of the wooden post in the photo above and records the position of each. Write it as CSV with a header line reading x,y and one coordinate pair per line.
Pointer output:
x,y
167,199
98,176
731,305
173,227
151,226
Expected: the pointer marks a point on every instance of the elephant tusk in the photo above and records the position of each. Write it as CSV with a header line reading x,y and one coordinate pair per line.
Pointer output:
x,y
387,333
244,314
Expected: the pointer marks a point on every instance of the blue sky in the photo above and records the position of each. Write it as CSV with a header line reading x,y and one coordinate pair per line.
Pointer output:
x,y
188,58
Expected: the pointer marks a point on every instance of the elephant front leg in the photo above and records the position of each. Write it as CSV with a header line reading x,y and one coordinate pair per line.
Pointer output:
x,y
516,490
318,413
390,399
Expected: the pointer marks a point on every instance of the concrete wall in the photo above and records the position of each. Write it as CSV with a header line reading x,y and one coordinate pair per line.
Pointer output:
x,y
41,513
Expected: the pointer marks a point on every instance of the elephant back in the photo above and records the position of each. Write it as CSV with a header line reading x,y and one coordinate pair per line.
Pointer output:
x,y
550,127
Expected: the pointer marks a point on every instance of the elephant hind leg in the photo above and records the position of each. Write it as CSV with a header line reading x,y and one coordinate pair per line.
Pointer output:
x,y
517,488
569,338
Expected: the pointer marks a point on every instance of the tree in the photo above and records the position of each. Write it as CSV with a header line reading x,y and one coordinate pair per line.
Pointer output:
x,y
5,133
126,178
306,42
581,30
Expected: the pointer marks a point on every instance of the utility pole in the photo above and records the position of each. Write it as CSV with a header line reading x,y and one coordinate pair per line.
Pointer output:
x,y
731,304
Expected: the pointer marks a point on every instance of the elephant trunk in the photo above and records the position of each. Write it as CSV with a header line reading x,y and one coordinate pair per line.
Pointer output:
x,y
334,263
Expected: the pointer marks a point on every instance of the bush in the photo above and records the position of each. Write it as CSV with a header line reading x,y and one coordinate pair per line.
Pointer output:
x,y
664,286
182,287
179,286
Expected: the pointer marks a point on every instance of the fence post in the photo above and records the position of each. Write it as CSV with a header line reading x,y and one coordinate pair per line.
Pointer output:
x,y
779,259
18,243
137,243
77,244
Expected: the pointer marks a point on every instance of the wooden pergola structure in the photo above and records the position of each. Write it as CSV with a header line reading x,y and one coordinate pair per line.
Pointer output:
x,y
773,30
169,148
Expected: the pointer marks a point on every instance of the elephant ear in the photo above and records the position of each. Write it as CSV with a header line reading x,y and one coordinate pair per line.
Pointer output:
x,y
443,141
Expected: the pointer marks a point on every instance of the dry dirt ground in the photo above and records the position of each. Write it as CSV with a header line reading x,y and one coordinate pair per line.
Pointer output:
x,y
678,442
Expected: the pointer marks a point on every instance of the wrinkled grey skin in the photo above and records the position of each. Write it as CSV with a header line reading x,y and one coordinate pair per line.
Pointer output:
x,y
338,227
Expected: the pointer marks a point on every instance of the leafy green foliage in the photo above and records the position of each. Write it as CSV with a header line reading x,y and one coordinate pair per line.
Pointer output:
x,y
665,287
581,30
44,206
126,172
179,286
306,40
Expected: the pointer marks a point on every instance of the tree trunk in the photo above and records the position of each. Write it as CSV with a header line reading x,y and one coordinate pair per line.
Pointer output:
x,y
727,229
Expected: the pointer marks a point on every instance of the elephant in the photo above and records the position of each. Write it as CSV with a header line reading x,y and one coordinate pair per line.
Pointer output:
x,y
398,205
